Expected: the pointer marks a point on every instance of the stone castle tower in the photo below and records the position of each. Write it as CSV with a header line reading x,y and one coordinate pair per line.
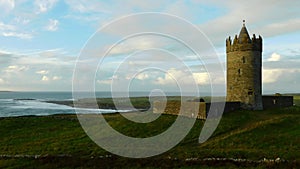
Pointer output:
x,y
244,70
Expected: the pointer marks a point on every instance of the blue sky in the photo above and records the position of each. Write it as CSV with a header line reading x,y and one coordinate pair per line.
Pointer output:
x,y
41,40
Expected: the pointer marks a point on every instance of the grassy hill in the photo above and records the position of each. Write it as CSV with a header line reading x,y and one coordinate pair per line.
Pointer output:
x,y
59,142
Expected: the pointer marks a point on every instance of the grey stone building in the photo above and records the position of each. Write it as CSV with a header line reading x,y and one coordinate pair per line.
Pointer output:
x,y
244,70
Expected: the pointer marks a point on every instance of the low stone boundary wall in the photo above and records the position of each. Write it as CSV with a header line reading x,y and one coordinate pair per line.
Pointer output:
x,y
277,101
191,109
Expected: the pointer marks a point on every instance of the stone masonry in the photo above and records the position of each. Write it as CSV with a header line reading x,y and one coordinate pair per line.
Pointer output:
x,y
244,70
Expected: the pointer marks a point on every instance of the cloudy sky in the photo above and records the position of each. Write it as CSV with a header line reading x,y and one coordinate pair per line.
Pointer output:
x,y
41,40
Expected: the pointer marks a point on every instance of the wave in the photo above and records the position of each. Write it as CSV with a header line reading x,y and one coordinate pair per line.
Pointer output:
x,y
99,111
37,107
6,100
37,104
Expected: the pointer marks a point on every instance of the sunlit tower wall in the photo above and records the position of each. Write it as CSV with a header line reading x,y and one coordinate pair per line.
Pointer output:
x,y
244,70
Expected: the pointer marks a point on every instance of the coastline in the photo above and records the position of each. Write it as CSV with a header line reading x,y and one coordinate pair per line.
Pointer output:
x,y
140,103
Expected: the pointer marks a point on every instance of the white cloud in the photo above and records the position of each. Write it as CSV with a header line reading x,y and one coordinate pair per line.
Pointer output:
x,y
90,6
22,20
108,81
274,57
275,75
116,8
263,21
181,9
148,46
15,69
8,30
52,25
217,24
7,5
102,12
279,27
201,78
137,43
30,71
5,27
44,5
2,81
56,78
48,57
142,76
271,75
174,76
225,23
105,82
17,35
45,78
42,72
3,52
145,5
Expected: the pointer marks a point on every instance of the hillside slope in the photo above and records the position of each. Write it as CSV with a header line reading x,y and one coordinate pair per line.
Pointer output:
x,y
59,141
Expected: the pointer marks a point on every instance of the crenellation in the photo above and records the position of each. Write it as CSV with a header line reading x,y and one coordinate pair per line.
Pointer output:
x,y
235,41
255,44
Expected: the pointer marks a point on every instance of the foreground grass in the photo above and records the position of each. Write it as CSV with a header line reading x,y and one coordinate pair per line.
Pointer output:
x,y
62,143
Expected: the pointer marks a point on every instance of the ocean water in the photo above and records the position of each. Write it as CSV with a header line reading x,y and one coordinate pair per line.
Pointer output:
x,y
13,104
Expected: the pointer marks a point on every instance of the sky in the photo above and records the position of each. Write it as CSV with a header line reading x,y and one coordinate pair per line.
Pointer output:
x,y
42,41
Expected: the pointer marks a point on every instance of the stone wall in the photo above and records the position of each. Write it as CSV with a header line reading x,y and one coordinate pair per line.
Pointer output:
x,y
200,110
173,107
228,106
277,101
191,109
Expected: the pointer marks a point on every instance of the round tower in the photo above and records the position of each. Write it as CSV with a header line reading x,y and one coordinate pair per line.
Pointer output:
x,y
244,70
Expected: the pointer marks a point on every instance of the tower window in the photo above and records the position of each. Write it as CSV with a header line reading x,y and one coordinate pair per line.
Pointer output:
x,y
244,59
250,92
239,71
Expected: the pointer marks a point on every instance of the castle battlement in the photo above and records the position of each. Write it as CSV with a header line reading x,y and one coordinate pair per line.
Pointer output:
x,y
254,44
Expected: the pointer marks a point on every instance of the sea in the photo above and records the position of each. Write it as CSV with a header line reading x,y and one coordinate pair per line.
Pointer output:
x,y
14,104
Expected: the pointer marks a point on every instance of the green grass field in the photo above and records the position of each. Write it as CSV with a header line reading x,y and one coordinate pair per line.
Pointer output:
x,y
62,143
